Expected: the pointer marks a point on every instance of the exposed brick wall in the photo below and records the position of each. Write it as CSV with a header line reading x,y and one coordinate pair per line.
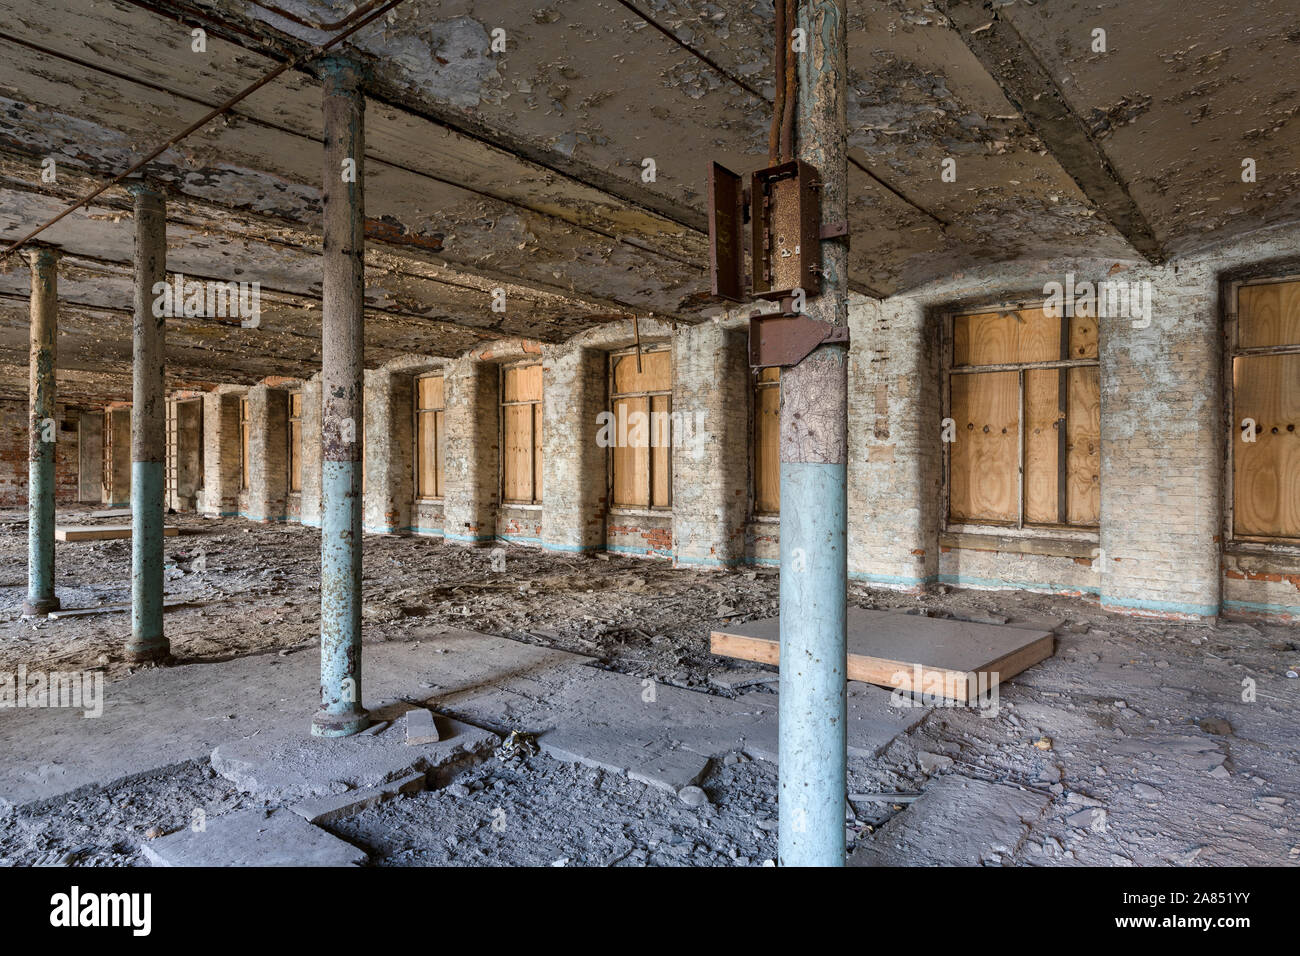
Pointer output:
x,y
309,499
574,476
90,455
182,494
522,525
712,395
973,567
895,452
1161,448
268,453
427,518
640,534
763,540
471,466
389,451
118,492
221,441
15,451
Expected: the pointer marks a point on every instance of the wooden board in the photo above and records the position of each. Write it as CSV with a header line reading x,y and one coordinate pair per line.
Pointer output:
x,y
1266,472
767,444
661,448
523,383
112,609
537,451
886,647
1269,314
1043,414
517,463
1083,337
1083,447
429,392
1001,338
656,373
985,457
101,532
632,458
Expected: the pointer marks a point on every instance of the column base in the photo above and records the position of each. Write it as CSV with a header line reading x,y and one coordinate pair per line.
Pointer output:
x,y
146,653
40,608
339,725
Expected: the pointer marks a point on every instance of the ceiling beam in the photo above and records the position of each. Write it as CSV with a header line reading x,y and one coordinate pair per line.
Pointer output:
x,y
1030,88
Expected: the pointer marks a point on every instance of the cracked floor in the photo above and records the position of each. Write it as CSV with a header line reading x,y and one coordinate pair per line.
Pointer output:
x,y
1140,742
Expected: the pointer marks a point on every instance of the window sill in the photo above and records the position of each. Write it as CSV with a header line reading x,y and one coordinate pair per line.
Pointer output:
x,y
765,519
1281,550
522,506
1037,543
428,501
641,512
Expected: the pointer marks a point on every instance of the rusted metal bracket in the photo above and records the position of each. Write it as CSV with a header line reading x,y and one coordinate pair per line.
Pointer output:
x,y
784,340
835,230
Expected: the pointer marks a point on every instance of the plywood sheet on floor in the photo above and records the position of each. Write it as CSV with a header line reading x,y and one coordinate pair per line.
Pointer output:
x,y
101,532
886,648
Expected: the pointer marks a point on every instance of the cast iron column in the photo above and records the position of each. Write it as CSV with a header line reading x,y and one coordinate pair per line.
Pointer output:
x,y
148,428
343,290
814,505
42,432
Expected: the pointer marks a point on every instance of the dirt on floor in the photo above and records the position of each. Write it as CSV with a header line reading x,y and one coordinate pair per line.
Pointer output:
x,y
1181,735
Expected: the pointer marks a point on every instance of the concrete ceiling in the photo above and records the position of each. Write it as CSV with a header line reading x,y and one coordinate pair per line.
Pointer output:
x,y
523,169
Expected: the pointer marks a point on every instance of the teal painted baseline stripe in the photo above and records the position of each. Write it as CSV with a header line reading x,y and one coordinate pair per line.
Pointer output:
x,y
1286,609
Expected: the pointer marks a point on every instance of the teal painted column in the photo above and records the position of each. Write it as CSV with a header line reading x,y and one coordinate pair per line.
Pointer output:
x,y
42,433
342,292
814,497
148,428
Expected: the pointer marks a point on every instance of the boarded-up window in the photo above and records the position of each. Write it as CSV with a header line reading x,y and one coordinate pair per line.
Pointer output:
x,y
1024,396
430,422
642,432
295,442
521,434
767,441
244,428
1266,409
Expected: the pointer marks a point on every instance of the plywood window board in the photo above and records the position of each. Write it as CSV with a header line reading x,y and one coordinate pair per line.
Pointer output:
x,y
767,442
245,428
295,442
1024,396
641,455
1264,356
521,434
430,437
907,651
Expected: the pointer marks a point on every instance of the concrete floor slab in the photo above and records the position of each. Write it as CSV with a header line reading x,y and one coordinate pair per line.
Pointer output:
x,y
957,821
168,715
251,715
254,838
337,806
656,762
290,766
